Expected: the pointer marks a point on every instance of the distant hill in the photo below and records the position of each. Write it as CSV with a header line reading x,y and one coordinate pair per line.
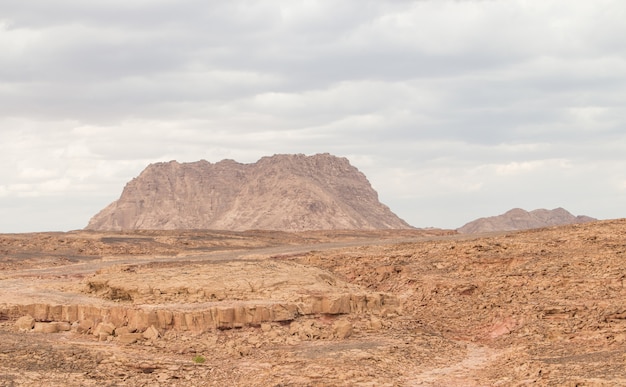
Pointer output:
x,y
281,192
519,219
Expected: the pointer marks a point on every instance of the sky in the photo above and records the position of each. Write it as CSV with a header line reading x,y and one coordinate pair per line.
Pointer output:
x,y
454,110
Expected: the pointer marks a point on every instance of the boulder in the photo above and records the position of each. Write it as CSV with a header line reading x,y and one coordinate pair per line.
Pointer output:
x,y
46,327
105,328
25,323
129,338
85,326
151,333
63,326
342,329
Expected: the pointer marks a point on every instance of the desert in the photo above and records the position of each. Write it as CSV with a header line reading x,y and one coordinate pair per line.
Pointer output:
x,y
411,307
393,193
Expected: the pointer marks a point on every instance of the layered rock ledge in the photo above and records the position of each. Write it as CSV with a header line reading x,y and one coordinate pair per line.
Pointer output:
x,y
202,296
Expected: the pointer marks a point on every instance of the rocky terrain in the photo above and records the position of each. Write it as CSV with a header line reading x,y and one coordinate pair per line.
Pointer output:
x,y
518,219
282,192
355,308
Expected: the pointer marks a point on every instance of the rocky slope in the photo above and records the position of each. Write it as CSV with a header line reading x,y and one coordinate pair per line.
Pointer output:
x,y
282,192
519,219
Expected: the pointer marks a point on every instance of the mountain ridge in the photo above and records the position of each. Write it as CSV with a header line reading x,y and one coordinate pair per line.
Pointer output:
x,y
280,192
520,219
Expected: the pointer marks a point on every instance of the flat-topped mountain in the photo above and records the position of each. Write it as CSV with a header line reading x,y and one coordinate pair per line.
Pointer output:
x,y
281,192
519,219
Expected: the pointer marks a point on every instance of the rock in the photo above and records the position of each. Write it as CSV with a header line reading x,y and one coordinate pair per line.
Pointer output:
x,y
123,331
294,328
163,376
105,328
273,335
376,323
342,329
46,327
291,290
129,338
64,326
282,192
308,330
25,323
151,333
85,326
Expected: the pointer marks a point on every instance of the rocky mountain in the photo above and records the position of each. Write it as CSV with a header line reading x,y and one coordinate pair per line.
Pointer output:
x,y
281,192
519,219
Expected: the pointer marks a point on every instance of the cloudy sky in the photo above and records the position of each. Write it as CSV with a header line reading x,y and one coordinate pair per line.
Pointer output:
x,y
454,110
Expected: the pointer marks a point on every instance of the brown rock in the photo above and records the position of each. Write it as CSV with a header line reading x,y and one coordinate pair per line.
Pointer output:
x,y
64,326
151,333
25,323
309,330
129,338
46,327
376,323
294,327
105,328
282,192
342,329
290,290
120,331
85,326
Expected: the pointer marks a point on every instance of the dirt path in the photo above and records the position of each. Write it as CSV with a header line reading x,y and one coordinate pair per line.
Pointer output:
x,y
460,374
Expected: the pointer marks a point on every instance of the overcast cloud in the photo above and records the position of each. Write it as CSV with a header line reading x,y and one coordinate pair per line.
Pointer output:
x,y
453,109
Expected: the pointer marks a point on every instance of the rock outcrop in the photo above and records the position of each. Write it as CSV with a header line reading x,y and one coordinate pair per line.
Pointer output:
x,y
199,297
282,192
519,219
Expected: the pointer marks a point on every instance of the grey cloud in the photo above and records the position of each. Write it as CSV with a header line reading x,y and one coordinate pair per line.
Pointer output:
x,y
444,92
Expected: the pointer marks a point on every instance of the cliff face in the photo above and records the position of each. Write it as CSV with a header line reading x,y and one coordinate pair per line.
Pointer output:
x,y
282,192
518,219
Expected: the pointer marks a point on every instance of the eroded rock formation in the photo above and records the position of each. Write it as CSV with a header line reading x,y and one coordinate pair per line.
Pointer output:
x,y
519,219
199,297
282,192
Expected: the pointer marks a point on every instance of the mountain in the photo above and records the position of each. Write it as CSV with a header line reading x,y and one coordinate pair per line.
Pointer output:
x,y
281,192
518,219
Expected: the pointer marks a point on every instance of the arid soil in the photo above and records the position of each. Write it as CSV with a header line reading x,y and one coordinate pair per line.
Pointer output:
x,y
389,308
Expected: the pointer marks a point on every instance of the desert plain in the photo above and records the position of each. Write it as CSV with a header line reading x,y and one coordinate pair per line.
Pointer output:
x,y
321,308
